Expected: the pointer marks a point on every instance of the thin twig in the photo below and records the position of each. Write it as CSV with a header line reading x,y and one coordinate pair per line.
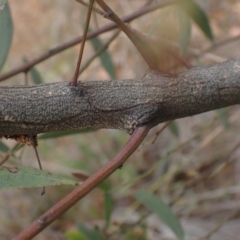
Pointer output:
x,y
10,153
160,131
83,43
95,9
40,166
34,144
68,201
219,226
141,11
180,59
26,78
220,44
102,49
143,47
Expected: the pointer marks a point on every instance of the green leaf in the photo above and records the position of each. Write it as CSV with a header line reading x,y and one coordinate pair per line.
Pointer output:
x,y
108,206
173,127
63,133
185,30
3,147
223,117
193,10
108,200
36,76
74,236
6,32
2,5
105,185
105,57
162,210
93,234
26,177
3,2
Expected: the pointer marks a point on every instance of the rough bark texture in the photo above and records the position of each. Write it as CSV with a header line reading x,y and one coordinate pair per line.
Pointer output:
x,y
118,104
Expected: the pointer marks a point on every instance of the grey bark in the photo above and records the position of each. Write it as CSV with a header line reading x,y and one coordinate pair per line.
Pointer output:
x,y
118,104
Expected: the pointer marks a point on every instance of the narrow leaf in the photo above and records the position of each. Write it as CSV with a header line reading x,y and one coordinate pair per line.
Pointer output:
x,y
93,234
162,210
6,32
3,147
223,117
108,206
193,10
26,177
63,133
185,30
36,76
105,57
173,127
108,200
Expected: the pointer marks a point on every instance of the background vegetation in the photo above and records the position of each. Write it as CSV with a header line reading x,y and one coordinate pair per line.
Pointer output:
x,y
192,167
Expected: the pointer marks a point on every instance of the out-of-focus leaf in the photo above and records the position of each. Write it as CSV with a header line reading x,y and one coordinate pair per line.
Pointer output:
x,y
162,210
93,234
185,30
193,10
36,76
3,147
3,2
105,57
26,177
173,127
6,32
108,200
223,117
105,185
74,236
2,5
63,133
108,206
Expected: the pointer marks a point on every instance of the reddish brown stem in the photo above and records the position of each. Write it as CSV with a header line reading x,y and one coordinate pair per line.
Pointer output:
x,y
180,59
83,43
94,8
141,45
40,166
62,47
67,202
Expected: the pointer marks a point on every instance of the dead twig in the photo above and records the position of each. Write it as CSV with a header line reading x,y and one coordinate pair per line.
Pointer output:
x,y
141,11
95,9
219,226
68,201
101,50
84,37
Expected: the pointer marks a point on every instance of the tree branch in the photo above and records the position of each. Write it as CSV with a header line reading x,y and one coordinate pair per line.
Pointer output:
x,y
122,104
